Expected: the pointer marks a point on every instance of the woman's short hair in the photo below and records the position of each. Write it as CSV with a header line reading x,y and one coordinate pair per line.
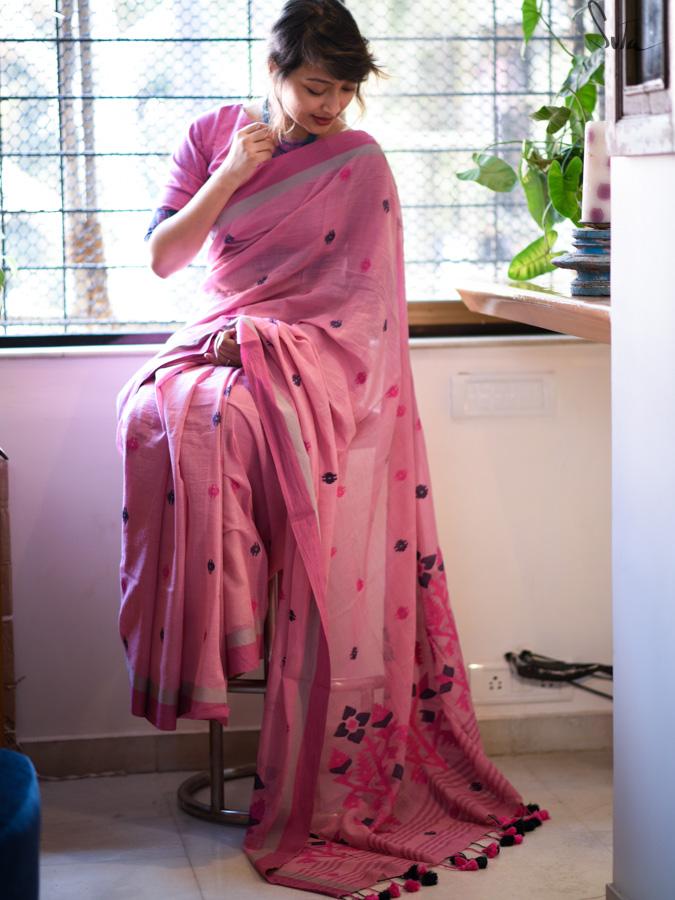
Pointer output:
x,y
321,33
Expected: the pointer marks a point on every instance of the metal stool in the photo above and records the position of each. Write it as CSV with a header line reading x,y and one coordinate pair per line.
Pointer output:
x,y
216,777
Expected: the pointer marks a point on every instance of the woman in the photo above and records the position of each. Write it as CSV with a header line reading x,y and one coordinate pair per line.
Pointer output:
x,y
279,433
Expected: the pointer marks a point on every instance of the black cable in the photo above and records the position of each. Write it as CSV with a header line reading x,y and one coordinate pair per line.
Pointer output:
x,y
544,668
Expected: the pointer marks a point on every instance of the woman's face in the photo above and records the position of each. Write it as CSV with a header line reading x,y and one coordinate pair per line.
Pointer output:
x,y
314,100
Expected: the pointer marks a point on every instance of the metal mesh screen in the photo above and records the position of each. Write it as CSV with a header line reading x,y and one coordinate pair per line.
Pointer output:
x,y
95,97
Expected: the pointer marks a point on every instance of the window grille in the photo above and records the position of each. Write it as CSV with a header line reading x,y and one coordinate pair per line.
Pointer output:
x,y
94,97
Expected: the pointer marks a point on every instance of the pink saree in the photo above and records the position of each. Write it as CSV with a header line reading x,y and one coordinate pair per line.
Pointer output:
x,y
309,461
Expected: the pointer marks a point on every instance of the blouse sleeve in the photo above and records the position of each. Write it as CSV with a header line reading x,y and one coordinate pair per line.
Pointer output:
x,y
187,173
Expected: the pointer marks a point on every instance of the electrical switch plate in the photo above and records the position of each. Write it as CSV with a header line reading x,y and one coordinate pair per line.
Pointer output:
x,y
496,683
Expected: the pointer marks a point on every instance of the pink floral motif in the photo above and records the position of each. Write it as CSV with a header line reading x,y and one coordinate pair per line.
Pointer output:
x,y
342,490
365,264
337,759
401,475
333,551
360,378
393,391
166,571
402,612
308,446
418,425
360,584
132,443
214,490
345,173
373,773
254,605
400,410
235,484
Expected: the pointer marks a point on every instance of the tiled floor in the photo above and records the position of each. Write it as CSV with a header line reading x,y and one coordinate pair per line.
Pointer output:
x,y
124,837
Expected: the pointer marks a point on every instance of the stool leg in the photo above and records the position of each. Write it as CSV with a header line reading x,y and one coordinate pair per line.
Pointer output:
x,y
216,780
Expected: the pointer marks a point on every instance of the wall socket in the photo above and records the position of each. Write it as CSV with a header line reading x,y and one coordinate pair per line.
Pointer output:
x,y
496,683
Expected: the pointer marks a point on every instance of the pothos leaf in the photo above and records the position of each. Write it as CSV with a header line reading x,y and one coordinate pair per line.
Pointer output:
x,y
563,187
558,120
530,16
584,69
535,259
585,99
535,189
490,171
594,41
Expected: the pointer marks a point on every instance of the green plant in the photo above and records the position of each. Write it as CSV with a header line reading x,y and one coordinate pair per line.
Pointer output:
x,y
550,169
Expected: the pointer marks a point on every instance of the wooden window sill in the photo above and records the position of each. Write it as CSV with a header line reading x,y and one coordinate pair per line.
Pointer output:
x,y
585,317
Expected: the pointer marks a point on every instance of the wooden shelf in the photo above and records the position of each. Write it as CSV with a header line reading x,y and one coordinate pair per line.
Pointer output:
x,y
586,317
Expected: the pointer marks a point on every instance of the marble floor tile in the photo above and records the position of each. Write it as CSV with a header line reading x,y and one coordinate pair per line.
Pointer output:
x,y
165,879
121,837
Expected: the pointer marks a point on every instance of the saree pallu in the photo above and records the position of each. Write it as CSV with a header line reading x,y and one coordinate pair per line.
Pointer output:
x,y
370,758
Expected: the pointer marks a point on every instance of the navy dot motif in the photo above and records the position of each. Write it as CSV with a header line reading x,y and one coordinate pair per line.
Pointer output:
x,y
329,477
476,786
397,771
261,280
255,549
171,498
386,206
291,615
384,327
211,566
126,643
336,323
229,239
354,653
330,237
228,390
400,546
125,515
216,419
421,491
161,635
296,379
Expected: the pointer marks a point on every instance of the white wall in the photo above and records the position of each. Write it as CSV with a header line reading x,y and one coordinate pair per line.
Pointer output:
x,y
522,504
643,493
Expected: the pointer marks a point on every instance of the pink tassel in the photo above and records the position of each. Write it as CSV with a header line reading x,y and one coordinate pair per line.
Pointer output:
x,y
491,850
511,830
543,814
518,839
470,866
412,886
394,889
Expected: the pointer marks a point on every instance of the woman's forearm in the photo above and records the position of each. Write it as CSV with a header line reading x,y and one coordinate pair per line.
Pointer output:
x,y
177,240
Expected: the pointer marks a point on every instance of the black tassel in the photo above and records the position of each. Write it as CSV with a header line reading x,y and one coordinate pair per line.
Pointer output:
x,y
507,841
412,873
429,878
533,807
482,862
385,895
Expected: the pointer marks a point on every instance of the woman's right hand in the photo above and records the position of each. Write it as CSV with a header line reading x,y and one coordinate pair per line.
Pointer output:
x,y
251,146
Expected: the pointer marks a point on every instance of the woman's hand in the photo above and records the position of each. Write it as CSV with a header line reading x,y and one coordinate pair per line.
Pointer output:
x,y
250,147
225,350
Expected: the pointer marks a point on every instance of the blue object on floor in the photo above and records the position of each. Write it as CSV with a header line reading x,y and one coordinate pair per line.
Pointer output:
x,y
19,827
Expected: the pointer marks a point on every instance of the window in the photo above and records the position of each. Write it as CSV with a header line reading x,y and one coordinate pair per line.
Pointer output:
x,y
94,98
